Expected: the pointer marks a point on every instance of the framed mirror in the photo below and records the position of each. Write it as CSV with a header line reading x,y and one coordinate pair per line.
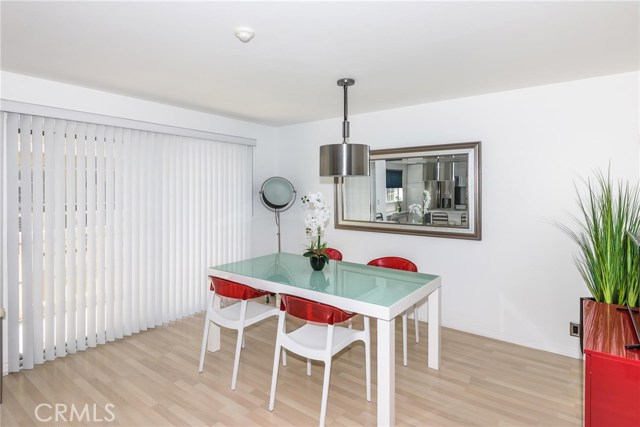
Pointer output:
x,y
430,190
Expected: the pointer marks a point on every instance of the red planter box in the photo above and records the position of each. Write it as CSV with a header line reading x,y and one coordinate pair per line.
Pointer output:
x,y
612,373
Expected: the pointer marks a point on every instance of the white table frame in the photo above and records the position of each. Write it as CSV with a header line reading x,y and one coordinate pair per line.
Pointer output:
x,y
385,317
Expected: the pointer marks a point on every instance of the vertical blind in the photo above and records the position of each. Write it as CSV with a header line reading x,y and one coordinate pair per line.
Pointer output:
x,y
109,231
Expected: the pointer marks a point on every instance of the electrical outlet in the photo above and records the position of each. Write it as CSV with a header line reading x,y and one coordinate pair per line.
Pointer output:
x,y
574,329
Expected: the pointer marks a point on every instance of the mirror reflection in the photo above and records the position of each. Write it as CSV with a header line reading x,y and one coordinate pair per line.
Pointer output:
x,y
416,190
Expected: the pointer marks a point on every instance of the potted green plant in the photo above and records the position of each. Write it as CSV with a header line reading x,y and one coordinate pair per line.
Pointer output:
x,y
608,258
609,263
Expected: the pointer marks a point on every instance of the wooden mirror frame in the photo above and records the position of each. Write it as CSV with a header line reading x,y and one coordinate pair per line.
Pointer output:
x,y
472,232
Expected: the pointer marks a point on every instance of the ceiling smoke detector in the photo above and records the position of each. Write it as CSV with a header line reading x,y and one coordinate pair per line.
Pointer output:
x,y
244,34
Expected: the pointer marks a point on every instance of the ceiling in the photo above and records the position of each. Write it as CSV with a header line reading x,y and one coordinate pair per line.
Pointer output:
x,y
400,53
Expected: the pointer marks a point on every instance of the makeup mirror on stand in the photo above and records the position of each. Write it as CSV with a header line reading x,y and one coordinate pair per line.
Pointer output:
x,y
277,194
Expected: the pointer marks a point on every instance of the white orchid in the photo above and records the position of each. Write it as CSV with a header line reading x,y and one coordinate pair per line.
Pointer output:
x,y
421,209
426,201
416,210
315,223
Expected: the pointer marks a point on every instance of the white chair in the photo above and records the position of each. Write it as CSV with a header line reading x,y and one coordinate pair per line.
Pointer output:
x,y
439,218
319,339
399,263
236,316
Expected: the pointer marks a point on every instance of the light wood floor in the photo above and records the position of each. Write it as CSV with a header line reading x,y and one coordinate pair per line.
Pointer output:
x,y
152,380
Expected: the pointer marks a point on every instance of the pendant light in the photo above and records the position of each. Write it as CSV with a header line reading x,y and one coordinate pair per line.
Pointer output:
x,y
344,159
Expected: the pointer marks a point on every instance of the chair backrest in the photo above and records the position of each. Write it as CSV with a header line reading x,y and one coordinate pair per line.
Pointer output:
x,y
439,218
229,289
394,262
313,311
333,254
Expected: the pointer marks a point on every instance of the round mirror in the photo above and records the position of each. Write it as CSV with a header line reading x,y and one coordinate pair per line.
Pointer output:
x,y
277,193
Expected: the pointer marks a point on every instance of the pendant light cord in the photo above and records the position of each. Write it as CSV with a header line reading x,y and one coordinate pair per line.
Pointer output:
x,y
345,123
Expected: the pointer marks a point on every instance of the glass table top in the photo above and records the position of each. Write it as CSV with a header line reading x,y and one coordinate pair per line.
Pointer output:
x,y
374,285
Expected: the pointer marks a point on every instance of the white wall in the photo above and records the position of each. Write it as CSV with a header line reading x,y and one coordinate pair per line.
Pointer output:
x,y
519,283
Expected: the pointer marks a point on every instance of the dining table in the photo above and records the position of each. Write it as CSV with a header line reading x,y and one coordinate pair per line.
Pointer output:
x,y
376,292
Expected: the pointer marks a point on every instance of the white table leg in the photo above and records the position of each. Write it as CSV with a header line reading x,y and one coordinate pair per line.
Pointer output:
x,y
434,329
386,372
213,342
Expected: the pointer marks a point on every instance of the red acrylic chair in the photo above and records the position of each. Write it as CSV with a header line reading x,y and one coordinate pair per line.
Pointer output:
x,y
319,339
399,263
333,254
237,315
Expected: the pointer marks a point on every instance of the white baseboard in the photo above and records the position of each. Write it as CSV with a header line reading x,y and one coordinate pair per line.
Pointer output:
x,y
571,351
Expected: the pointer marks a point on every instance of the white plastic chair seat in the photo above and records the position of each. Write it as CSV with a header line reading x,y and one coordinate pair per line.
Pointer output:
x,y
229,316
416,326
399,263
236,316
310,340
319,342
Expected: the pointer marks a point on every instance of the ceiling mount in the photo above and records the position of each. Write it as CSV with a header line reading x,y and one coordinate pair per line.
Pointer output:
x,y
346,82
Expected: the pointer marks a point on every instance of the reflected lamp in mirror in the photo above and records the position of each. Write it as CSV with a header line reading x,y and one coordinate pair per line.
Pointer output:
x,y
429,190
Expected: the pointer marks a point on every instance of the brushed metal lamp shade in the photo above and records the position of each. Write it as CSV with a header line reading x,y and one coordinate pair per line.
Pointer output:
x,y
344,159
